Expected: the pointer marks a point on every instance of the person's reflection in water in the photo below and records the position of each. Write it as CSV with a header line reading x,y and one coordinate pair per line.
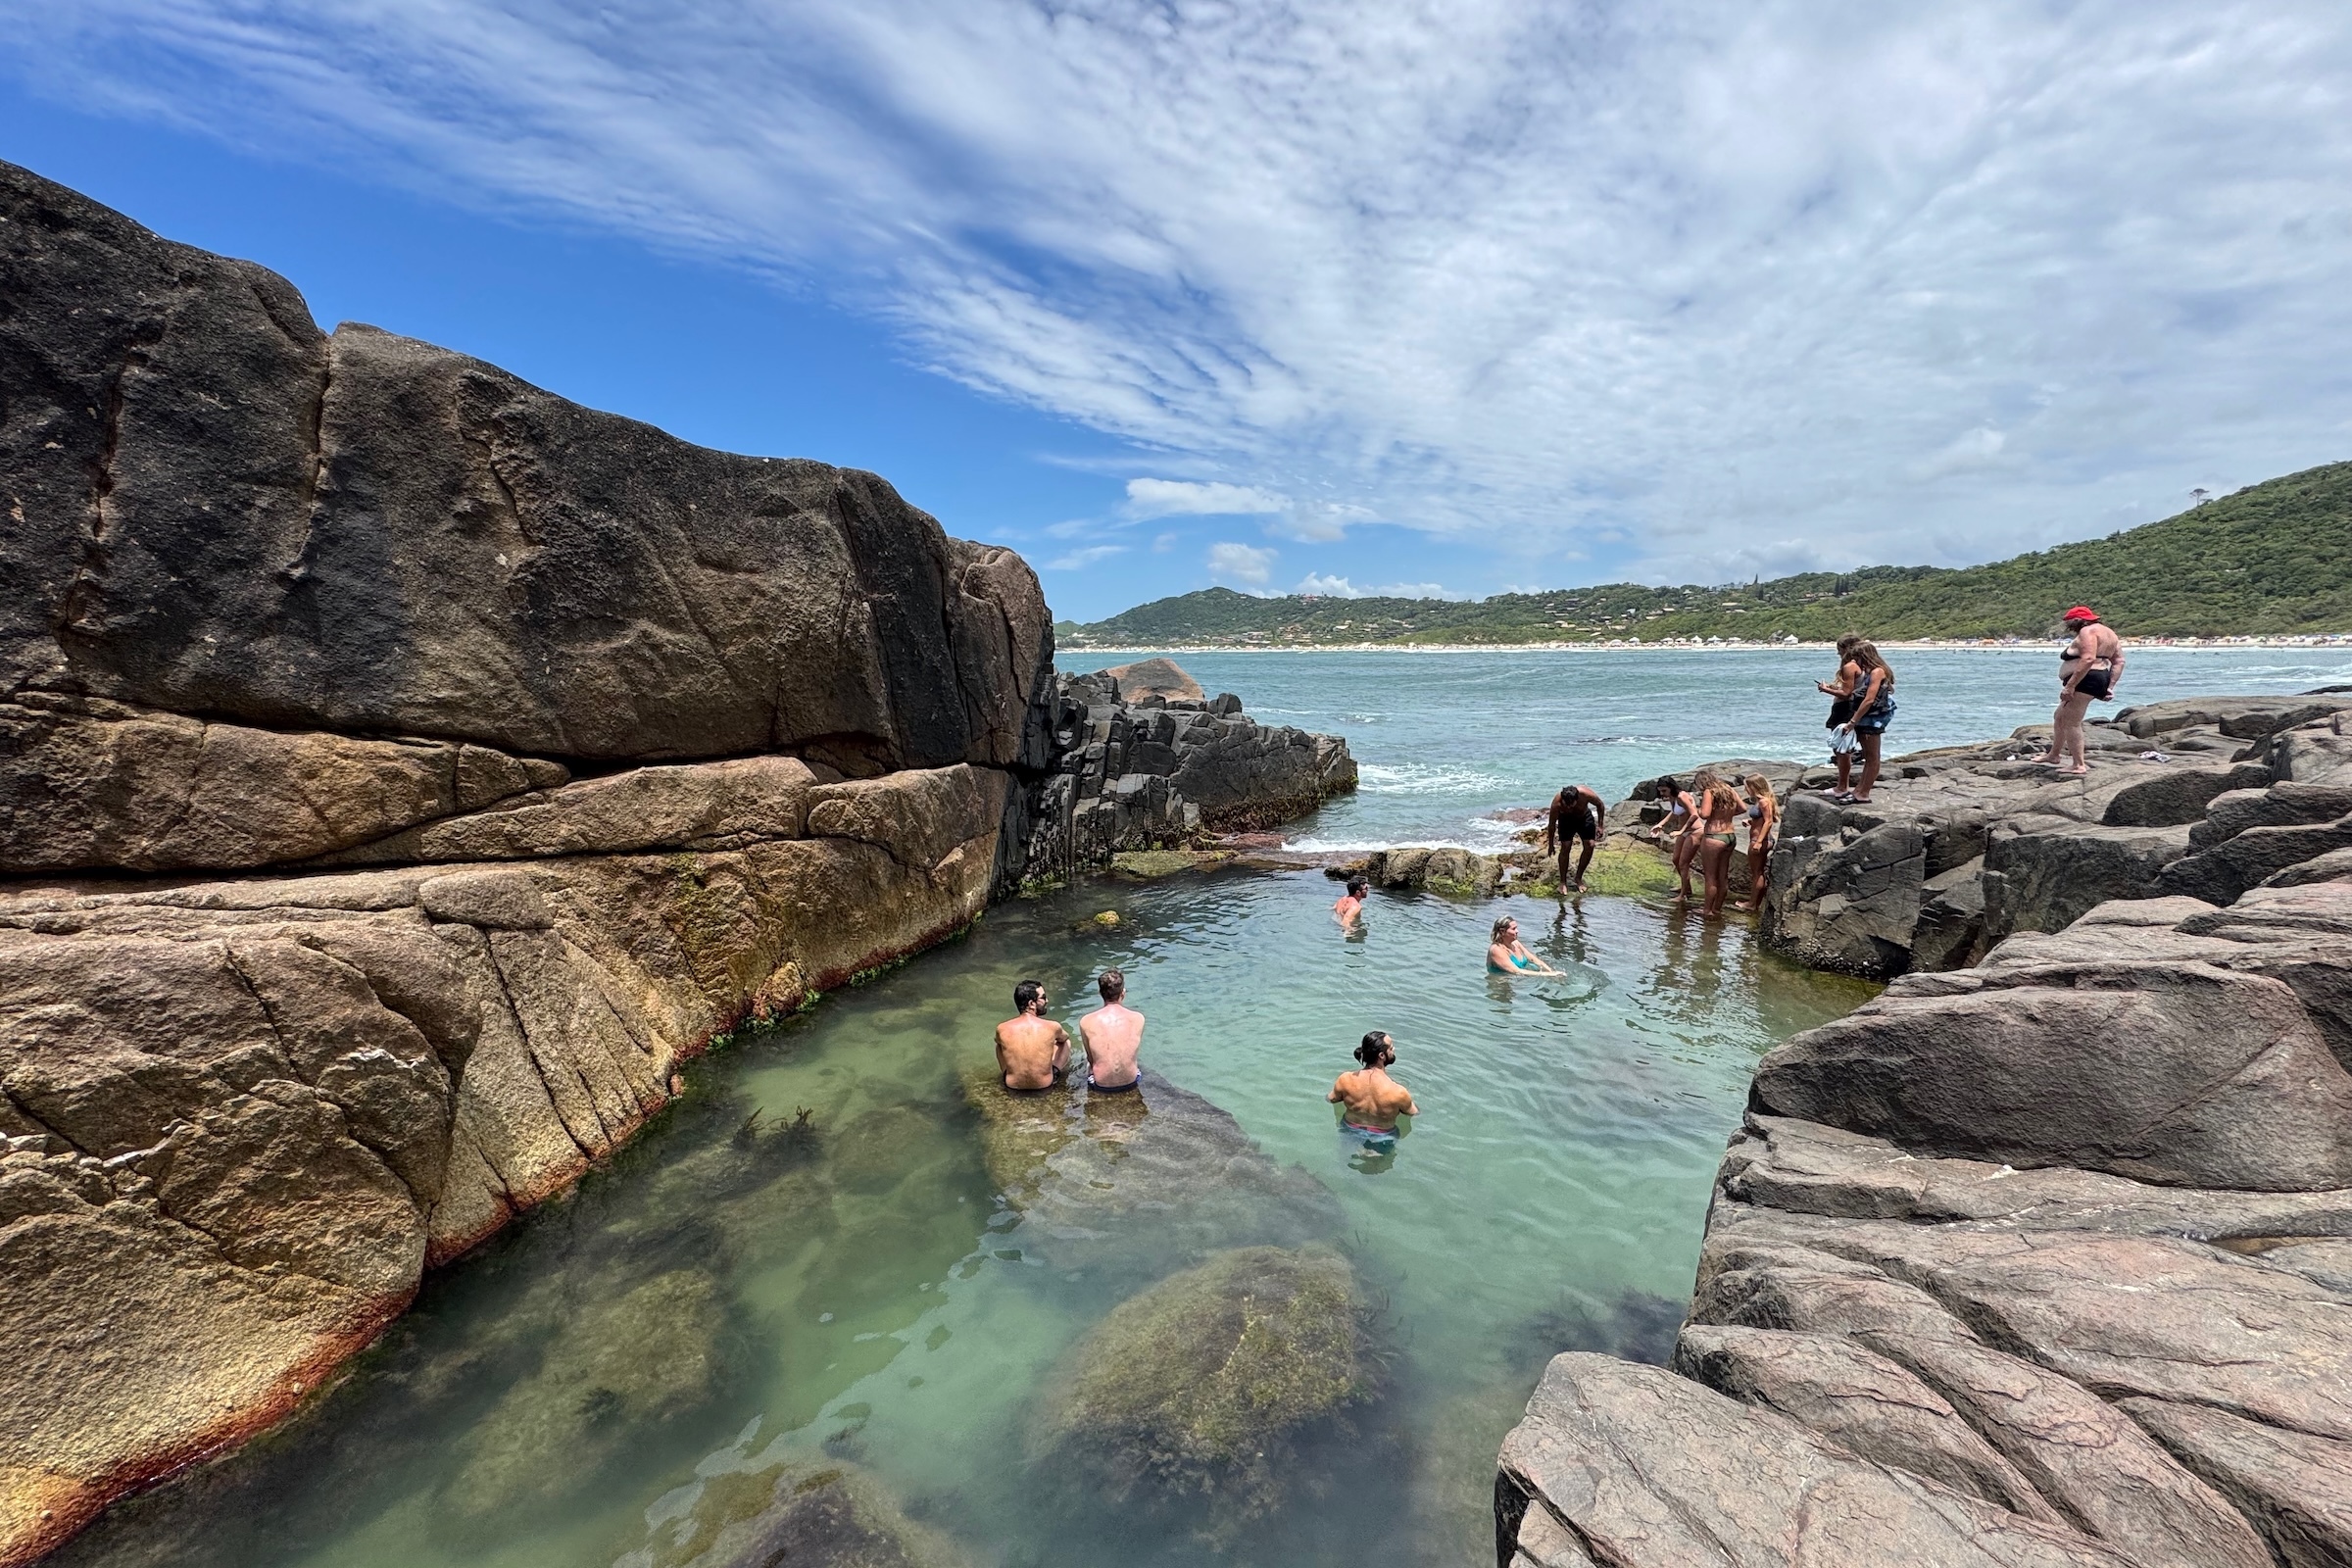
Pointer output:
x,y
1574,931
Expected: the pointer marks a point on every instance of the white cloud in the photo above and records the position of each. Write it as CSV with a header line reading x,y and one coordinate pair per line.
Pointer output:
x,y
1230,563
1167,498
1080,560
1316,582
1710,271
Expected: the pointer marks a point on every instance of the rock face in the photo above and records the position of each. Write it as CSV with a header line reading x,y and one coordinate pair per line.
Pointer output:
x,y
1964,846
2049,1261
402,772
1150,770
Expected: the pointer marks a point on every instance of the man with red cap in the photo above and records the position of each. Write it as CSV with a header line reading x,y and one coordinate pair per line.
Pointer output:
x,y
2092,664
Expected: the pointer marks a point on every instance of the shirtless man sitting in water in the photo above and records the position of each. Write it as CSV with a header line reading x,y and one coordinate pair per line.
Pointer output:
x,y
1373,1099
1032,1049
1113,1032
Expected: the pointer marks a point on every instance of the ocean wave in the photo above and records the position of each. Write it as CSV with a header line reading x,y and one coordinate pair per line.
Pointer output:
x,y
1425,778
1320,846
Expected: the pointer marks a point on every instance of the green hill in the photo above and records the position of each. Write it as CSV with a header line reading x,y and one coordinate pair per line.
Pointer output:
x,y
2274,558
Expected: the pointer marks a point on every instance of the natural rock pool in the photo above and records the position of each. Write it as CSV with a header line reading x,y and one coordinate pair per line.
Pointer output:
x,y
839,1285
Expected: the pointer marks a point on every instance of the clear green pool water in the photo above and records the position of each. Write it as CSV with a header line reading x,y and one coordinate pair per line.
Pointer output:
x,y
853,1288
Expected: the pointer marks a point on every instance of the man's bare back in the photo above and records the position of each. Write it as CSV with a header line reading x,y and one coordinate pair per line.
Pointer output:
x,y
1114,1034
1373,1099
1032,1049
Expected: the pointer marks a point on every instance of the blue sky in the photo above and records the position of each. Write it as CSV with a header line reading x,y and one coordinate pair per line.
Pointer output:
x,y
1333,294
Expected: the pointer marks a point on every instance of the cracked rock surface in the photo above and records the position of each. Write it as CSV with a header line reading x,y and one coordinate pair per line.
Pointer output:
x,y
2047,1261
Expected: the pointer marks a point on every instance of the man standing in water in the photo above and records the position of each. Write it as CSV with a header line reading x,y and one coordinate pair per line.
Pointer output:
x,y
1373,1099
1576,815
1114,1033
1032,1049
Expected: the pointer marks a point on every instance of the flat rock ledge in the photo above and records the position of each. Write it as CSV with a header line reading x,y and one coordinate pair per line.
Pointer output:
x,y
2048,1261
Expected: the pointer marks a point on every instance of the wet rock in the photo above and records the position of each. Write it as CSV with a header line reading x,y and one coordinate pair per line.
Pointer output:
x,y
1849,907
1457,873
796,1514
1206,1383
1128,1186
1163,678
612,1371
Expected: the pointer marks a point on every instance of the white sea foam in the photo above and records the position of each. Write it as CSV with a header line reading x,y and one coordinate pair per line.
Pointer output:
x,y
1425,778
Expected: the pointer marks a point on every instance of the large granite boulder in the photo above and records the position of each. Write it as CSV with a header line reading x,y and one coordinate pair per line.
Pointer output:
x,y
222,511
1206,1384
2063,1242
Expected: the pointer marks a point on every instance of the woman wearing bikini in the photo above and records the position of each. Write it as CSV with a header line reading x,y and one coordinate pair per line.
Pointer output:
x,y
2089,666
1507,955
1678,832
1763,826
1717,815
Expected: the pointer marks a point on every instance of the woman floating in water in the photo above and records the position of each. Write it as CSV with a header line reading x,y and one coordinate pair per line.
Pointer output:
x,y
1373,1099
1507,955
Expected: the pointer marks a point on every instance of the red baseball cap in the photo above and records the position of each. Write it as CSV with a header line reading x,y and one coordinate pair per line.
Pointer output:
x,y
2081,613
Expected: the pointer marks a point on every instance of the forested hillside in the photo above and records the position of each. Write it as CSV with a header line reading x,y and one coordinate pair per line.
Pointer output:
x,y
2273,558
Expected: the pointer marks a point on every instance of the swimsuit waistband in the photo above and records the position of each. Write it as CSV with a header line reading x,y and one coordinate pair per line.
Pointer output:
x,y
1127,1088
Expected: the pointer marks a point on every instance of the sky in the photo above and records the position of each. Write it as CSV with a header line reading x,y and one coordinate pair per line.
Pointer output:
x,y
1326,296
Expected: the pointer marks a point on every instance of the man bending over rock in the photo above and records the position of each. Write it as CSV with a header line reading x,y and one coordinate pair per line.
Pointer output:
x,y
1032,1049
1114,1033
1575,818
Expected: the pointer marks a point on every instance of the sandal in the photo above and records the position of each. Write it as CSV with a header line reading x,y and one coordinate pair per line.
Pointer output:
x,y
1841,796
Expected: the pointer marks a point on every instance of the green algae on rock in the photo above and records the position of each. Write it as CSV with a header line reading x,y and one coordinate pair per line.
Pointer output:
x,y
825,1514
1206,1382
608,1373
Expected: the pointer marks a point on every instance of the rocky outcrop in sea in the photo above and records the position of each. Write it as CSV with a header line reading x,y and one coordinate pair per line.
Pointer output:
x,y
1148,761
2045,1260
405,772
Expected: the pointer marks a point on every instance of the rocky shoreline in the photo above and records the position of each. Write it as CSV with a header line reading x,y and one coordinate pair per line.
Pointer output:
x,y
407,772
2045,1255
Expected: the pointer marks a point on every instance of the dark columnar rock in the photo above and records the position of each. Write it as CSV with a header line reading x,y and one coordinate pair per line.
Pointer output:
x,y
2048,873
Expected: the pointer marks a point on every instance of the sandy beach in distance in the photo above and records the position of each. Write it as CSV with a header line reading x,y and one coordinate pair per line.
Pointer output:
x,y
1695,645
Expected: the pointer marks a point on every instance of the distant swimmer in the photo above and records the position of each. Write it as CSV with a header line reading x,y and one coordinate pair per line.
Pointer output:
x,y
1373,1099
1575,818
1114,1033
1033,1052
1350,906
1507,955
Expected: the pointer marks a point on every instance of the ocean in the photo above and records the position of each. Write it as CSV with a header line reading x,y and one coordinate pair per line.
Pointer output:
x,y
1444,739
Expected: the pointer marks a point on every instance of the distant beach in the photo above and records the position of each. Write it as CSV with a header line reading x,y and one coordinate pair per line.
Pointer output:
x,y
2328,641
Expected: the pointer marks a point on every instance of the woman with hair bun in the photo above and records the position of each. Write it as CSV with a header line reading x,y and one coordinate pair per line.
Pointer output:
x,y
1373,1099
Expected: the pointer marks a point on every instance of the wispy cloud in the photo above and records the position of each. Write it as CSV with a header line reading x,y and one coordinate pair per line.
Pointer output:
x,y
1248,565
1168,498
1332,587
1080,560
1715,274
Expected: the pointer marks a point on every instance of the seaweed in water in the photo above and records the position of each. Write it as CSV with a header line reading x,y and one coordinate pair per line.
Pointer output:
x,y
1636,1326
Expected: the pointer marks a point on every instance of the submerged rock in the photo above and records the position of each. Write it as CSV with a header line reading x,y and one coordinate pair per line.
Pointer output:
x,y
795,1515
1133,1185
1205,1382
611,1372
